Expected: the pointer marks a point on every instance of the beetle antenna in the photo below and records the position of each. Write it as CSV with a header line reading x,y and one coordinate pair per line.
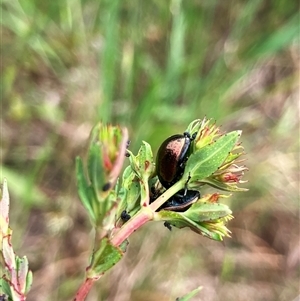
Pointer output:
x,y
185,185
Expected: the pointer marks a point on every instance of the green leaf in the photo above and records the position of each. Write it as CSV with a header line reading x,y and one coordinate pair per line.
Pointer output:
x,y
190,294
143,163
130,191
144,167
124,245
132,187
178,220
223,186
208,159
22,271
84,190
29,280
205,219
104,259
95,167
6,288
278,40
201,212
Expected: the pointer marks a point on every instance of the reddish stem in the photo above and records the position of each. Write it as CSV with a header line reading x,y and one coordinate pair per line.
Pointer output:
x,y
84,289
140,219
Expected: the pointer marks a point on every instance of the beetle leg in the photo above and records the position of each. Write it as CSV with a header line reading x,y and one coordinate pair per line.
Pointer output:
x,y
185,185
168,225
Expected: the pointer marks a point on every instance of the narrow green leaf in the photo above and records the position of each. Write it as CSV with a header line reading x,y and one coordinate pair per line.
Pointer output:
x,y
84,189
5,287
29,280
190,294
22,270
131,189
95,167
223,186
143,166
278,40
200,212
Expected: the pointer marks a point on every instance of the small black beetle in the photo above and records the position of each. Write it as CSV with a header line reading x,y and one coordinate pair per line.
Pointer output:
x,y
171,158
125,216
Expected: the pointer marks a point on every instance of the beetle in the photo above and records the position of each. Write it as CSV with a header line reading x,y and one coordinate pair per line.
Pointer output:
x,y
181,201
171,158
125,216
170,163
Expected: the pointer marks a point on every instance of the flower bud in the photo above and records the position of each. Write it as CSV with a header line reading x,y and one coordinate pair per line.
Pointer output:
x,y
207,133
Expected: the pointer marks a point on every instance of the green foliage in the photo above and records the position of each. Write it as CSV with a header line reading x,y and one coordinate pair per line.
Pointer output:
x,y
143,166
190,295
85,191
208,159
106,154
104,258
152,66
102,200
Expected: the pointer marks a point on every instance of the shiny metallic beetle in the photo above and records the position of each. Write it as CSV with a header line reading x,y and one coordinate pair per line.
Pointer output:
x,y
170,163
171,158
181,201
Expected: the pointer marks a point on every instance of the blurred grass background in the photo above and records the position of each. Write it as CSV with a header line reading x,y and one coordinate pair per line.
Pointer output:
x,y
152,66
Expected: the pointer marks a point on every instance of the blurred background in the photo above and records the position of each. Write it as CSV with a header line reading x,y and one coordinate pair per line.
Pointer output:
x,y
152,66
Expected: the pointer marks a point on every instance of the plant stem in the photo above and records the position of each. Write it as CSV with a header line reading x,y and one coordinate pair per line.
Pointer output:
x,y
166,195
85,288
143,216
